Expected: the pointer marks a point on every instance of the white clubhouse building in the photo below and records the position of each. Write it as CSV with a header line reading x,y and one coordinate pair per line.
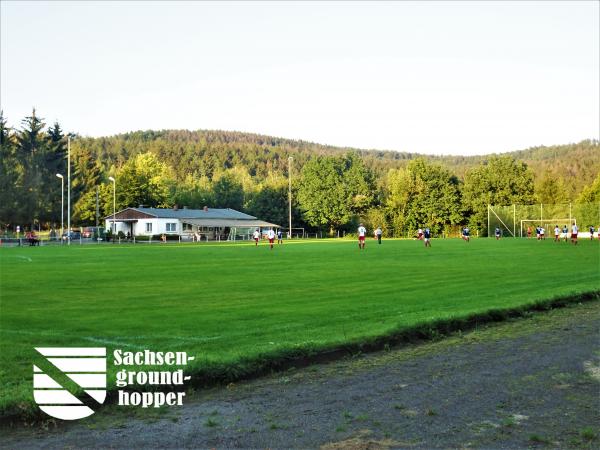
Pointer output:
x,y
209,223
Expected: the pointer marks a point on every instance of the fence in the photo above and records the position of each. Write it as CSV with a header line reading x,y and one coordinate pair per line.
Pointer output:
x,y
513,220
10,241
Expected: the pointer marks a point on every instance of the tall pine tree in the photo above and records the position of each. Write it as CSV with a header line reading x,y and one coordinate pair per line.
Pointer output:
x,y
9,173
32,145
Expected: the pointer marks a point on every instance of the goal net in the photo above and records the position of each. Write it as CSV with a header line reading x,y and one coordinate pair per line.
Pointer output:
x,y
514,220
528,226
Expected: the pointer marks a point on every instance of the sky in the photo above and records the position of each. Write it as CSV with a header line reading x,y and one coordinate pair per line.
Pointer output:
x,y
446,77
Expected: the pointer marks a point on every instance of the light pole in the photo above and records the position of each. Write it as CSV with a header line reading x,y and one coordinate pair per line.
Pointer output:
x,y
68,190
290,159
114,226
62,203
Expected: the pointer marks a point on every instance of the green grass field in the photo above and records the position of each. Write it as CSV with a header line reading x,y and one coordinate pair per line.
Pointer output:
x,y
234,305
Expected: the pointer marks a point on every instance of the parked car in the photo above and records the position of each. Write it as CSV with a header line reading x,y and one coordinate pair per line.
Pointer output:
x,y
90,232
72,235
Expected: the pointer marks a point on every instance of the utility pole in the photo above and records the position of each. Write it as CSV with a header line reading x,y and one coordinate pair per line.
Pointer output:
x,y
97,206
68,190
290,159
114,225
62,204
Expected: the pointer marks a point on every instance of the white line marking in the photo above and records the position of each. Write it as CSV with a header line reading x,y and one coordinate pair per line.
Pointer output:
x,y
72,351
86,338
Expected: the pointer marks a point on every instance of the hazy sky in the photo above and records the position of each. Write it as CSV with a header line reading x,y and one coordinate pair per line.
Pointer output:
x,y
430,77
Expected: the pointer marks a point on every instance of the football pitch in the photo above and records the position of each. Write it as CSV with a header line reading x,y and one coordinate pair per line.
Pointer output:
x,y
235,306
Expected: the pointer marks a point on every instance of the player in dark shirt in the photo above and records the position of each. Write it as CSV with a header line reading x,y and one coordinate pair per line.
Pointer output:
x,y
427,237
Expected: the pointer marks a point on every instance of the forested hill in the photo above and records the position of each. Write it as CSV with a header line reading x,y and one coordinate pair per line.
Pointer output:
x,y
333,187
204,152
577,164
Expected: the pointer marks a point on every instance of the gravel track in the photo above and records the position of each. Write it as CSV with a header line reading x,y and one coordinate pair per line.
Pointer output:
x,y
529,382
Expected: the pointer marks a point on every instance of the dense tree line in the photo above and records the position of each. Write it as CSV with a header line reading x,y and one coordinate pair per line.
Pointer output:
x,y
333,188
29,162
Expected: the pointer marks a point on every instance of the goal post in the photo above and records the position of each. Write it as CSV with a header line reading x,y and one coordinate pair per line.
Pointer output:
x,y
513,220
547,224
493,217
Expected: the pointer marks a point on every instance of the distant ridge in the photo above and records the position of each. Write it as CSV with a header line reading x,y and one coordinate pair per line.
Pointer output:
x,y
202,152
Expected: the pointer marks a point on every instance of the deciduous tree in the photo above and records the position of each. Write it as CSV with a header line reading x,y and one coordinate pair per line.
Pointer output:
x,y
499,181
422,195
332,190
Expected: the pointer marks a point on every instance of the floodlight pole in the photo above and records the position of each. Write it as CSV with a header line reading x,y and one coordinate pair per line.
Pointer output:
x,y
290,159
68,190
114,226
62,203
488,227
514,220
97,206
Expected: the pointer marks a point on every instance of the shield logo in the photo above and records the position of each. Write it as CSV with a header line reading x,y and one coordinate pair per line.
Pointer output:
x,y
69,382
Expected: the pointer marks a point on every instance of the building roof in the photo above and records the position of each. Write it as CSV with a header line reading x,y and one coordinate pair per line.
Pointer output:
x,y
231,223
181,213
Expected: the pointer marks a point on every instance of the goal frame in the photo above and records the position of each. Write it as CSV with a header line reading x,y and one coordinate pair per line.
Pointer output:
x,y
547,222
501,215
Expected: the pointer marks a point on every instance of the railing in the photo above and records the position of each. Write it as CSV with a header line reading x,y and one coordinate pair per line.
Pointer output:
x,y
151,240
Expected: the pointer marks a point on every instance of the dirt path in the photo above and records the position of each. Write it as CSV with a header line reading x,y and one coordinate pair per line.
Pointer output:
x,y
531,382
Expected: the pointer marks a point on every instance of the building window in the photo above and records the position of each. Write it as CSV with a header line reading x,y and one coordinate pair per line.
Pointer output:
x,y
187,226
171,226
149,227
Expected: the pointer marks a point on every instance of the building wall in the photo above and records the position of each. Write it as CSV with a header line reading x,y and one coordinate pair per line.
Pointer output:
x,y
120,226
159,226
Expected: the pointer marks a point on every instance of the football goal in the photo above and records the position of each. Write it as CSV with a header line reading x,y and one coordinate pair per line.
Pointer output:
x,y
547,224
514,220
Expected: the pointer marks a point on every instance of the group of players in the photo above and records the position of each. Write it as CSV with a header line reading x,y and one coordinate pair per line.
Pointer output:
x,y
540,233
425,235
362,234
422,235
270,236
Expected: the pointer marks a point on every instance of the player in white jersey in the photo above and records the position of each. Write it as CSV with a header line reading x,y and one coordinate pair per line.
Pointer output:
x,y
556,233
378,234
256,236
362,232
574,232
271,237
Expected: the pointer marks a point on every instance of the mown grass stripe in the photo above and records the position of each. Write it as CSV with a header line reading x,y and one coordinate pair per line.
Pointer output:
x,y
294,300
